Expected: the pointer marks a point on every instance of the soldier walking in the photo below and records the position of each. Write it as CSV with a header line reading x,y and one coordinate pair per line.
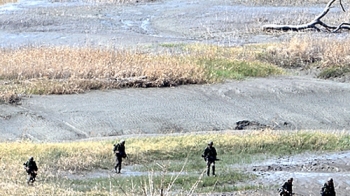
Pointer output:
x,y
287,188
119,151
31,169
328,188
209,156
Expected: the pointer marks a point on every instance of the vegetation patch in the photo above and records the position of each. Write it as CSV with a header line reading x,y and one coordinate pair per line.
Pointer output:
x,y
221,69
334,72
65,70
162,165
305,51
7,1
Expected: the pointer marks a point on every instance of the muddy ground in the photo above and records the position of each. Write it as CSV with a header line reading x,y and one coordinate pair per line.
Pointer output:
x,y
298,101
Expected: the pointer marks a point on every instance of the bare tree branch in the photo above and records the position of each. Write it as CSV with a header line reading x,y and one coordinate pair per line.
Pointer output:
x,y
343,25
312,24
342,7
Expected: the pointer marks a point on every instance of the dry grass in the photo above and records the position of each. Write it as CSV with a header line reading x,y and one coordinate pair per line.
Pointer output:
x,y
309,50
56,158
7,1
64,70
87,63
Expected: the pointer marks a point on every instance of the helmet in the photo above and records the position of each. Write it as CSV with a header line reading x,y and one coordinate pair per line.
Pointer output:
x,y
31,158
210,143
330,179
122,141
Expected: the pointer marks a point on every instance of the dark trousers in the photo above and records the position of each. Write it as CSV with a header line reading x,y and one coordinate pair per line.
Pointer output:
x,y
285,194
31,176
118,165
212,164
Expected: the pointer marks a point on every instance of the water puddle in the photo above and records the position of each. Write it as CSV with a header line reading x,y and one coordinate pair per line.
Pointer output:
x,y
310,171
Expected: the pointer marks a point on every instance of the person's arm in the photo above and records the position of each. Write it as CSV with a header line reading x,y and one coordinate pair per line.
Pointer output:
x,y
35,167
116,148
285,187
205,152
123,152
25,165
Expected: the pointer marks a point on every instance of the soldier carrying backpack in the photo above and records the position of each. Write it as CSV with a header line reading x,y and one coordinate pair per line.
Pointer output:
x,y
31,169
328,188
119,151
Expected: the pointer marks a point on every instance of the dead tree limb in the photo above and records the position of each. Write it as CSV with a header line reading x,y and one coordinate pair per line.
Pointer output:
x,y
312,24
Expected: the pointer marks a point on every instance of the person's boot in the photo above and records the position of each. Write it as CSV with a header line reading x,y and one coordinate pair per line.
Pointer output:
x,y
208,171
119,168
213,170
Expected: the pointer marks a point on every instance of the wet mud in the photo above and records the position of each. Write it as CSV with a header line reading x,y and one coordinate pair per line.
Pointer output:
x,y
289,103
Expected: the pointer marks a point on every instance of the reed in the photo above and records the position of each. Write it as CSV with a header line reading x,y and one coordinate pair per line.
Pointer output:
x,y
66,70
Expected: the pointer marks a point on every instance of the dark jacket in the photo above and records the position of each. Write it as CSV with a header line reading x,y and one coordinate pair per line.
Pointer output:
x,y
119,150
287,188
328,190
210,153
31,166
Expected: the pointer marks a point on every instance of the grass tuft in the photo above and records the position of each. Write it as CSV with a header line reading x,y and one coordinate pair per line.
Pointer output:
x,y
221,69
306,51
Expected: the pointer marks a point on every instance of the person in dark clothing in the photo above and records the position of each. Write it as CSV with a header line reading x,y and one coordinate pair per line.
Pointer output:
x,y
209,156
328,188
119,151
287,188
31,169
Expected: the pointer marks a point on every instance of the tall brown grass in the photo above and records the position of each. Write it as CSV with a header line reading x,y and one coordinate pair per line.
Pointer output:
x,y
64,70
304,51
67,70
7,1
88,63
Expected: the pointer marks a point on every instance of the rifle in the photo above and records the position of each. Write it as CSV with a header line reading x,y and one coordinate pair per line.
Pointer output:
x,y
205,158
